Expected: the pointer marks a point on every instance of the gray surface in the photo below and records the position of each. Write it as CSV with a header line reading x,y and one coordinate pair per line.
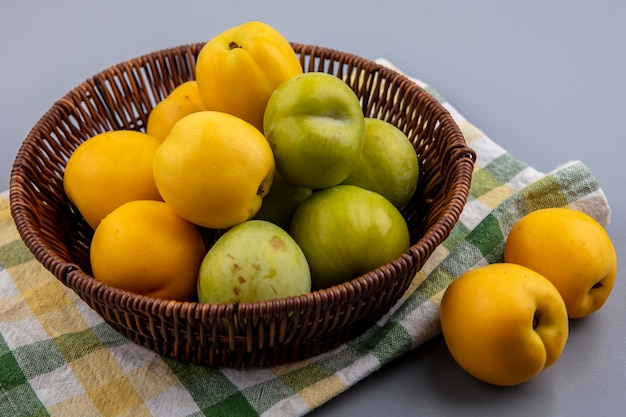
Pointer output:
x,y
546,80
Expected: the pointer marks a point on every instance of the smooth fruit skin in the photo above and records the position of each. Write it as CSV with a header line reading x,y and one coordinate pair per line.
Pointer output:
x,y
388,164
108,170
503,323
316,128
214,169
281,202
254,261
346,231
572,250
182,101
238,70
146,248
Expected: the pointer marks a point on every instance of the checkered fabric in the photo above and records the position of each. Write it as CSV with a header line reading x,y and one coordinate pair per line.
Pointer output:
x,y
59,358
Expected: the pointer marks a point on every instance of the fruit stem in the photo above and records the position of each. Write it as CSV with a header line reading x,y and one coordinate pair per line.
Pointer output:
x,y
233,45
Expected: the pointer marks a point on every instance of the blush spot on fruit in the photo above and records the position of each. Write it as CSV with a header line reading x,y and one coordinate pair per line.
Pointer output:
x,y
277,244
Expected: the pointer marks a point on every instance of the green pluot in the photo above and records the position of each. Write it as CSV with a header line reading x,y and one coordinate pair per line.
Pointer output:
x,y
281,202
316,129
346,231
388,164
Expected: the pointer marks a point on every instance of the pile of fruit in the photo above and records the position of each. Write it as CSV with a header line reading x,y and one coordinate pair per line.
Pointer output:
x,y
307,191
505,323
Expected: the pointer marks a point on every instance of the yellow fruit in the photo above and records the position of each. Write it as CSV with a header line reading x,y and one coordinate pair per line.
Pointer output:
x,y
108,170
214,169
572,250
183,100
144,247
503,323
238,70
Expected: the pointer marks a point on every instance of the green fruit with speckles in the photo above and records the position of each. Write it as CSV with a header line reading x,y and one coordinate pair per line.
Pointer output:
x,y
254,261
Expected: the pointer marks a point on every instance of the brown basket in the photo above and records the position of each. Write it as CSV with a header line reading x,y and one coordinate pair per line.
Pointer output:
x,y
246,334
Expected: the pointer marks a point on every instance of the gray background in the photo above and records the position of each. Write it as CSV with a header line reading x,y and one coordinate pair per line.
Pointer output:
x,y
544,79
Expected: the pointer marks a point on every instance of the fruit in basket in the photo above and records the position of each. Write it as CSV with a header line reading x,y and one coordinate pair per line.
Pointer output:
x,y
504,323
214,169
346,231
182,101
572,250
388,164
146,248
253,261
238,69
316,128
110,169
281,202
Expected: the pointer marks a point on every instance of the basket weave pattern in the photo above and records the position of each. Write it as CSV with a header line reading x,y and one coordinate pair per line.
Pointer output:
x,y
247,334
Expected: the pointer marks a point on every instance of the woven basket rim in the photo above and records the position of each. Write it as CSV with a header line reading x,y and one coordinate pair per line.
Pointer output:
x,y
463,150
74,277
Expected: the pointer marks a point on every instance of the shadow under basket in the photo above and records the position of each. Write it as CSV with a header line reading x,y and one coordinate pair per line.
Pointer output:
x,y
245,334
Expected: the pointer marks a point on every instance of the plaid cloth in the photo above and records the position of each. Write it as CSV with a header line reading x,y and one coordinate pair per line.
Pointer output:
x,y
59,358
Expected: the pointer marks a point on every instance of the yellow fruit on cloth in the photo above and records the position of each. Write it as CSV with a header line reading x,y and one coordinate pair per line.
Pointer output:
x,y
146,248
108,170
214,169
503,323
572,250
238,70
182,101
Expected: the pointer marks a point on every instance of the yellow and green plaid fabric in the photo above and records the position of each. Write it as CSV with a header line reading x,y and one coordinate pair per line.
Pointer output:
x,y
59,358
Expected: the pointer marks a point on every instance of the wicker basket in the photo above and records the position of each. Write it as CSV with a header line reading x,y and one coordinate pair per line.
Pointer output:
x,y
246,334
